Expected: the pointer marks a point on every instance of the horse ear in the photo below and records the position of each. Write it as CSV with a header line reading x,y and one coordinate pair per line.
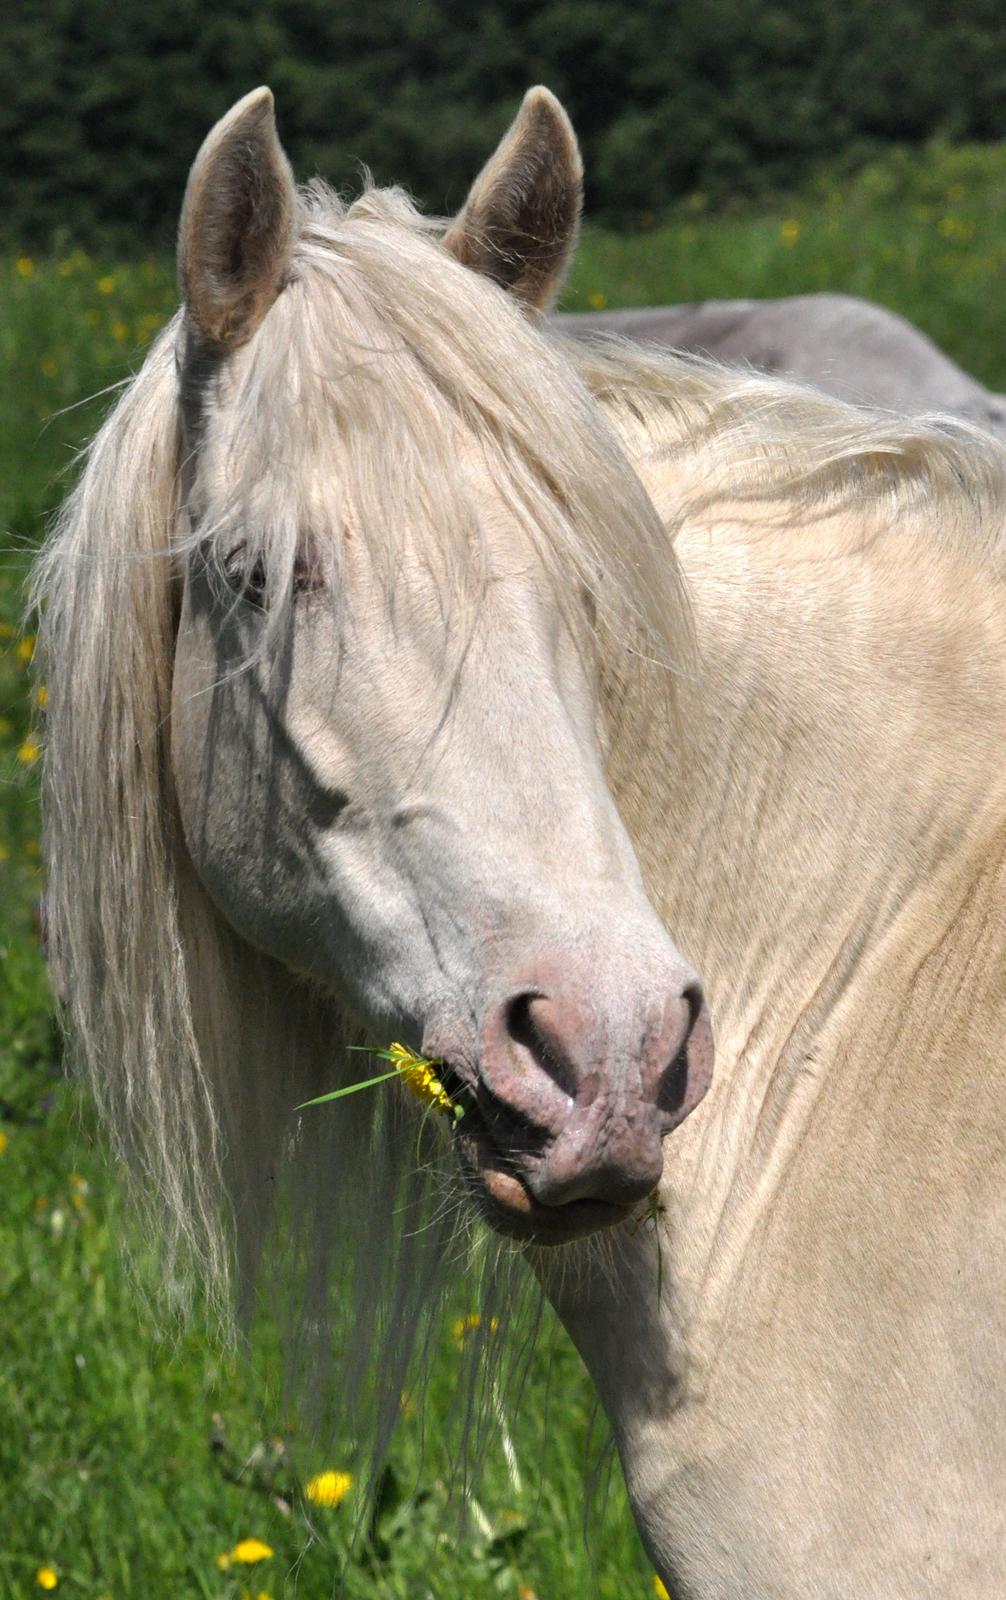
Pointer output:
x,y
235,236
520,221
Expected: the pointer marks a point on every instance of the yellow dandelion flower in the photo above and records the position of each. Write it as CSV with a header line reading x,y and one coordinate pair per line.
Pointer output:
x,y
328,1488
419,1077
471,1324
46,1577
660,1588
4,1141
120,331
25,267
50,367
28,752
4,853
42,696
26,647
597,301
789,233
66,267
223,1561
250,1550
106,285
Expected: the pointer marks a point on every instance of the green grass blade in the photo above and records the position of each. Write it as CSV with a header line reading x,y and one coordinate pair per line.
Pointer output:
x,y
351,1088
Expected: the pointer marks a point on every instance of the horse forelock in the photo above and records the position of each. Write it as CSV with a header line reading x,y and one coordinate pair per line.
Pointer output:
x,y
388,376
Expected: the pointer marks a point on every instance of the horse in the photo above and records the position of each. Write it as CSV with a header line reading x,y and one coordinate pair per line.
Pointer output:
x,y
840,343
417,673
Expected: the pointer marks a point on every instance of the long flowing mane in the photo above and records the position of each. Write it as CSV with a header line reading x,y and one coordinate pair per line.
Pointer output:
x,y
740,437
397,359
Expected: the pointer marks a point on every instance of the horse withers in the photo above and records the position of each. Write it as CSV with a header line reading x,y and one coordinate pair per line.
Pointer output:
x,y
414,671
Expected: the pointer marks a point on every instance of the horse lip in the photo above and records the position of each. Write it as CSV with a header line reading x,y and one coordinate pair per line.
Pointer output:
x,y
508,1205
501,1191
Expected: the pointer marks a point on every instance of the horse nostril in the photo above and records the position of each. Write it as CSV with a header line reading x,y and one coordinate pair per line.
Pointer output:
x,y
694,999
686,1078
533,1024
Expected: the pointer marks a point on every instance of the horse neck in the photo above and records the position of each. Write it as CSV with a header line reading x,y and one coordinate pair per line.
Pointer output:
x,y
809,832
836,758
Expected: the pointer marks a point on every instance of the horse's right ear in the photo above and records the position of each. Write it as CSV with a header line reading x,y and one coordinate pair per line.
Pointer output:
x,y
520,221
235,236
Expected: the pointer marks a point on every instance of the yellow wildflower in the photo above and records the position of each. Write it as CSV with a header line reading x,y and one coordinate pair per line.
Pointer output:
x,y
92,318
4,853
789,233
419,1077
5,726
25,267
249,1550
3,1141
660,1589
223,1561
50,367
106,285
42,696
597,301
120,331
6,631
28,752
46,1577
26,647
471,1324
328,1488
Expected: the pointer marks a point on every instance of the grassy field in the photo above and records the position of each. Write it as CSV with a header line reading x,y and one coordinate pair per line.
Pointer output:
x,y
140,1465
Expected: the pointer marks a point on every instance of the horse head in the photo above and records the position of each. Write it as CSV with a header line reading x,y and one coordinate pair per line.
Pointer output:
x,y
387,738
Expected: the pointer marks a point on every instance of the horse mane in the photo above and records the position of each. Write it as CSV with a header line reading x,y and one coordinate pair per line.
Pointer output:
x,y
388,357
738,436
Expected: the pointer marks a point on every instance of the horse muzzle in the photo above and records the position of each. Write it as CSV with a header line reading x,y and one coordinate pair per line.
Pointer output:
x,y
568,1100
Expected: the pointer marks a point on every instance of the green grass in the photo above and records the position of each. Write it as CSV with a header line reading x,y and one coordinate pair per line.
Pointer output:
x,y
131,1459
923,233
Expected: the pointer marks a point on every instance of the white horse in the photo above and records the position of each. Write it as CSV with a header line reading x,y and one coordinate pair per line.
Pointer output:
x,y
361,628
846,346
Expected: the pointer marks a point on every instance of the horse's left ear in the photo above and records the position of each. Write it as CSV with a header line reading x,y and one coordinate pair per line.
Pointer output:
x,y
520,221
235,236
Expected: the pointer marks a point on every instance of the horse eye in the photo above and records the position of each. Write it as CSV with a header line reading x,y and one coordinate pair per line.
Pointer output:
x,y
249,584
